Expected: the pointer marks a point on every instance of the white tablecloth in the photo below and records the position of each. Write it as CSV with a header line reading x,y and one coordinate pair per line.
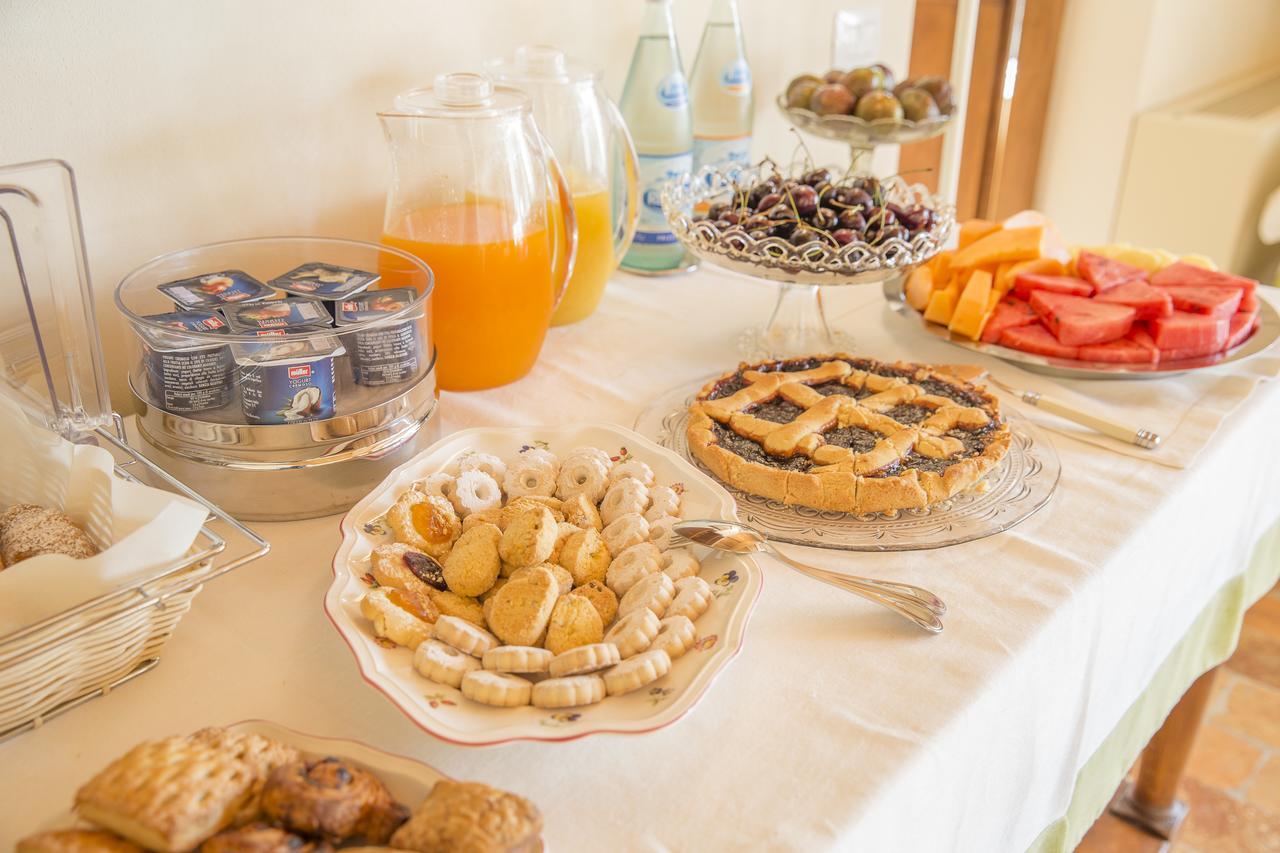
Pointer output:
x,y
838,726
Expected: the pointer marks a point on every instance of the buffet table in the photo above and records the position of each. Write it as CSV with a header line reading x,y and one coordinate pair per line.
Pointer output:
x,y
839,725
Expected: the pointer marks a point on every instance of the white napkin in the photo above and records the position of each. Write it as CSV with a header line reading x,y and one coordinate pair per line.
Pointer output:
x,y
139,528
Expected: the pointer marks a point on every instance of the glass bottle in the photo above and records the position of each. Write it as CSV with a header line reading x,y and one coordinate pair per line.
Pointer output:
x,y
721,91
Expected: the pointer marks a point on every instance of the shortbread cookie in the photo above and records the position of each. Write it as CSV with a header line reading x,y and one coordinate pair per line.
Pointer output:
x,y
625,531
519,613
529,477
563,531
568,692
623,497
483,516
564,580
518,659
663,500
496,688
476,491
634,632
632,469
452,604
464,636
631,566
582,475
636,672
529,539
574,622
518,506
442,663
473,564
584,659
602,599
399,616
493,590
581,512
653,591
426,522
675,636
485,463
585,556
680,564
397,564
662,531
693,597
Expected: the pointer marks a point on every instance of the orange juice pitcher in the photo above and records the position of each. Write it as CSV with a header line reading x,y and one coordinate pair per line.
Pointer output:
x,y
591,142
477,194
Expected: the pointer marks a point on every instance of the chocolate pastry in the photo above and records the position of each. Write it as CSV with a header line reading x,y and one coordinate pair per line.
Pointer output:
x,y
848,434
331,799
261,838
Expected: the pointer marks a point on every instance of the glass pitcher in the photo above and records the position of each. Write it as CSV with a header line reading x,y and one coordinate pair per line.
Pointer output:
x,y
591,141
477,194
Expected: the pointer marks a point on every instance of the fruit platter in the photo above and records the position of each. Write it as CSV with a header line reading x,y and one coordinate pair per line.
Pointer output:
x,y
865,107
1013,290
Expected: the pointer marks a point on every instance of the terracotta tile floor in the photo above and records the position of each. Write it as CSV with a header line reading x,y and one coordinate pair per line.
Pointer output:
x,y
1232,782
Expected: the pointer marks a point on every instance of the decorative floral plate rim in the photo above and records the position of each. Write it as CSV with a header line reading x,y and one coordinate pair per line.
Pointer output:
x,y
1029,486
440,710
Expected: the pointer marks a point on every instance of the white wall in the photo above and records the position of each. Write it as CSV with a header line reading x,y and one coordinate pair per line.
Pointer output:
x,y
1116,59
191,122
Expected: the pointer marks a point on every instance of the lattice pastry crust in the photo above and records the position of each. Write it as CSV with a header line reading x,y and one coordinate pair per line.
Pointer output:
x,y
848,434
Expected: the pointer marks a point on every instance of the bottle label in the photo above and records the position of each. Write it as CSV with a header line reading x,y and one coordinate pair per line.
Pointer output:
x,y
651,224
735,78
721,152
673,91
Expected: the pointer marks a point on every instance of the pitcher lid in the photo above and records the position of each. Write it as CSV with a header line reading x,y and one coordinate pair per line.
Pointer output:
x,y
461,93
539,63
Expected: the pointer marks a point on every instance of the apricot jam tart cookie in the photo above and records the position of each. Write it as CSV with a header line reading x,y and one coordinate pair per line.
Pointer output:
x,y
837,432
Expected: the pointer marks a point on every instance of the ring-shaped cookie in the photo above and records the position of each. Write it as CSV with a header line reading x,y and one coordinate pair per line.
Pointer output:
x,y
529,477
476,491
622,498
582,476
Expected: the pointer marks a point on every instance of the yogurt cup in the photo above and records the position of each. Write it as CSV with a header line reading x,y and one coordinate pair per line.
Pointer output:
x,y
382,354
286,380
326,283
186,375
285,314
214,290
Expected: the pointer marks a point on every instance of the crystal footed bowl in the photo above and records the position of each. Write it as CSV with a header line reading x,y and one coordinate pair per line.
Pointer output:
x,y
859,132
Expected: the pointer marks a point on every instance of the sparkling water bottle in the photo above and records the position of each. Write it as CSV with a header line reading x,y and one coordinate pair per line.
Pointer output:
x,y
721,91
655,104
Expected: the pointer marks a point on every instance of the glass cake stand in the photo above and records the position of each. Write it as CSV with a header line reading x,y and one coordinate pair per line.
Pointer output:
x,y
798,323
859,134
1020,485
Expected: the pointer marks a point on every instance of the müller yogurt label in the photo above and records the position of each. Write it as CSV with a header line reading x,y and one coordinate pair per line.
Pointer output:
x,y
278,314
383,354
215,290
184,374
285,381
324,281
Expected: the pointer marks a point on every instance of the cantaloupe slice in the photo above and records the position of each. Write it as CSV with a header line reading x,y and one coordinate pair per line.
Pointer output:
x,y
975,229
971,311
1007,244
940,267
942,303
1037,266
919,288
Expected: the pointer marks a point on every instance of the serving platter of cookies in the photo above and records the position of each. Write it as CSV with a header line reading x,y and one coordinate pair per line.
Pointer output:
x,y
257,785
523,584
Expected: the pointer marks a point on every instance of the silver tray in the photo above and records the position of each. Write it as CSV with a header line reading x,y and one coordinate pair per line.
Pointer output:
x,y
861,133
1021,484
1262,339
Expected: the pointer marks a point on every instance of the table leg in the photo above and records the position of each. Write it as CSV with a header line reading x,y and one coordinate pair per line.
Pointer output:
x,y
1152,802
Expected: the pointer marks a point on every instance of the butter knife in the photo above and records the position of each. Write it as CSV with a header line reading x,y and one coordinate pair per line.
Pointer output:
x,y
1143,438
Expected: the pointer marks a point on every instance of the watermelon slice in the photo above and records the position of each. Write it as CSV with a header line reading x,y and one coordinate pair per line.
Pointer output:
x,y
1036,339
1186,335
1205,299
1075,321
1009,313
1183,274
1148,302
1026,283
1249,302
1242,326
1122,351
1104,273
1140,336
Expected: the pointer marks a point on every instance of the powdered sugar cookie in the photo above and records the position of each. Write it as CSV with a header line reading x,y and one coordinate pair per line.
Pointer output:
x,y
630,566
485,462
591,453
662,532
625,531
517,659
442,663
542,456
584,659
603,599
680,564
439,484
464,636
624,497
529,477
636,672
568,692
634,632
693,597
654,591
476,491
675,636
496,688
582,475
632,469
663,500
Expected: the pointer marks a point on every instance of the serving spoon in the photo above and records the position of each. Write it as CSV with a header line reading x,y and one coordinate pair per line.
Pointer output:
x,y
919,605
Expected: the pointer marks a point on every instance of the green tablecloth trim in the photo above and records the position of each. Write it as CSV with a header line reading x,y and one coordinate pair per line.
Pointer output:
x,y
1210,641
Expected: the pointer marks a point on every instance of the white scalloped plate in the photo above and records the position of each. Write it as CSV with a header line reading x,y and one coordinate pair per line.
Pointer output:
x,y
443,711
